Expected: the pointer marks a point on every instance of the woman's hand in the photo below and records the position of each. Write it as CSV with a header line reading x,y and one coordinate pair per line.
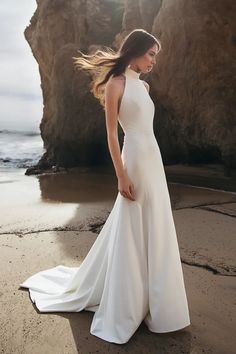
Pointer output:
x,y
126,186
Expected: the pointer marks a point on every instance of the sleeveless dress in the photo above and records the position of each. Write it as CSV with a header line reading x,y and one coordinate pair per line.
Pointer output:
x,y
133,270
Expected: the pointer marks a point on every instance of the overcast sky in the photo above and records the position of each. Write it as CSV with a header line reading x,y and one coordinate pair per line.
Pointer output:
x,y
20,92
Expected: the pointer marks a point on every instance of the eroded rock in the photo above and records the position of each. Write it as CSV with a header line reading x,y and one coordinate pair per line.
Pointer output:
x,y
193,85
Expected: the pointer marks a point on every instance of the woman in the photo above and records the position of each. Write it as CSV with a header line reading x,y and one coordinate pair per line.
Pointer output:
x,y
133,270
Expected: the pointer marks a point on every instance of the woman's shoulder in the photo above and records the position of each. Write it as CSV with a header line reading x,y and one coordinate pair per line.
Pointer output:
x,y
115,83
116,80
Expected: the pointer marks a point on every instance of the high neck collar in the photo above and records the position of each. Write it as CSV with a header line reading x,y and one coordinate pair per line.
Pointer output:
x,y
132,72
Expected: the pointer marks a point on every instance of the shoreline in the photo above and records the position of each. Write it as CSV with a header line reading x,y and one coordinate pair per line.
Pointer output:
x,y
210,176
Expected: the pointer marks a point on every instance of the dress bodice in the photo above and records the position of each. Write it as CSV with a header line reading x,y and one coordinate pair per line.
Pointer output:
x,y
137,109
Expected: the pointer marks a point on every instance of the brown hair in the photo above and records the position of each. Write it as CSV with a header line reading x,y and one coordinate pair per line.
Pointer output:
x,y
105,63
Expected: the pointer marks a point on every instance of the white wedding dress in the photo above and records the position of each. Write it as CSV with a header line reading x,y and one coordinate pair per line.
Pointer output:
x,y
133,270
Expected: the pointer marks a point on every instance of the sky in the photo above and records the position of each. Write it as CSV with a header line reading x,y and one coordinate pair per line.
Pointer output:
x,y
21,104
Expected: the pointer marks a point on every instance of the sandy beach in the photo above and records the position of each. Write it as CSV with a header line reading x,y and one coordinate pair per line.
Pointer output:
x,y
54,219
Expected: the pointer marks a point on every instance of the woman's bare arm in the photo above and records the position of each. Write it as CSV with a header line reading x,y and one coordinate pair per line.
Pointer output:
x,y
112,93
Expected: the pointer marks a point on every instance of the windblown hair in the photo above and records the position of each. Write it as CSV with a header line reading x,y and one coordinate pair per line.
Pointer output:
x,y
108,62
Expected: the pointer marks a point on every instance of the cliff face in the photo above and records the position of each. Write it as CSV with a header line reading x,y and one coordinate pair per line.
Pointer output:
x,y
195,81
193,84
72,126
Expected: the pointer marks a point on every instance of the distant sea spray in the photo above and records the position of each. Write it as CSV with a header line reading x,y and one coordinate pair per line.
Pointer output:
x,y
20,149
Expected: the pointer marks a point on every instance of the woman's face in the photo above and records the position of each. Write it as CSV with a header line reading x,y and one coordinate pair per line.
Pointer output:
x,y
146,62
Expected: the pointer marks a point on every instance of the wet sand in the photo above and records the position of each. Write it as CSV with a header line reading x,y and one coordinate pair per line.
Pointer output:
x,y
54,219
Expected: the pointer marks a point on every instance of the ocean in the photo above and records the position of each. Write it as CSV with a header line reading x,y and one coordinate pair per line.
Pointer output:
x,y
19,150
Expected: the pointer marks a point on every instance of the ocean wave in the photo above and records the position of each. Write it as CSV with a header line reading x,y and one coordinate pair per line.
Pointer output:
x,y
20,148
19,132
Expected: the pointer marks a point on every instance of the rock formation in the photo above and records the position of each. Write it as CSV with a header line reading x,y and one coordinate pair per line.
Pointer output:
x,y
193,84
